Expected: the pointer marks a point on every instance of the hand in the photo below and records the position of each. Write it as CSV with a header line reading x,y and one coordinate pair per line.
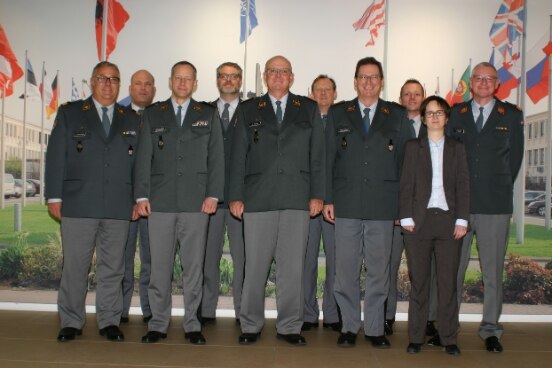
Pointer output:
x,y
55,209
459,231
236,209
135,215
409,228
209,206
328,212
315,206
398,222
144,208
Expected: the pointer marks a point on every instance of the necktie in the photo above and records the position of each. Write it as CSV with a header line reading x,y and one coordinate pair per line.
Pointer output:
x,y
479,121
140,112
179,116
412,129
324,120
366,120
225,116
105,121
279,112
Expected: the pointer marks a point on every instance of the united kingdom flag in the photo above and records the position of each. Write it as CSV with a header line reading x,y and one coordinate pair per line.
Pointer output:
x,y
507,29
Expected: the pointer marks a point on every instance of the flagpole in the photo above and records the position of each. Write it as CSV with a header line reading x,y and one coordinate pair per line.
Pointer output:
x,y
548,157
385,47
24,160
2,135
104,29
245,52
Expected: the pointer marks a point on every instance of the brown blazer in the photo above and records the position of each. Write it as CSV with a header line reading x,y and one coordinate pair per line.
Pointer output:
x,y
417,175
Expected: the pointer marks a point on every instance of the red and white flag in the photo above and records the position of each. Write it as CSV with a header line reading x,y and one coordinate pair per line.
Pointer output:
x,y
117,17
10,71
372,19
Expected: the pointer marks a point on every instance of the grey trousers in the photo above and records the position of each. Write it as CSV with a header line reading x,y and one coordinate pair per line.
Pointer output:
x,y
139,226
394,265
219,222
318,228
189,229
280,236
491,232
357,241
79,238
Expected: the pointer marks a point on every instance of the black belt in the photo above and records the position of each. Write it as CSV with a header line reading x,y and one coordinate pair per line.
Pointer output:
x,y
437,211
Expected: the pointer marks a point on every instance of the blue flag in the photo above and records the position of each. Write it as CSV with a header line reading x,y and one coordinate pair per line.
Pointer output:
x,y
252,18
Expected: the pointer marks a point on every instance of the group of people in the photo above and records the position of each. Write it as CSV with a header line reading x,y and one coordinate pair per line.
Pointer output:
x,y
278,173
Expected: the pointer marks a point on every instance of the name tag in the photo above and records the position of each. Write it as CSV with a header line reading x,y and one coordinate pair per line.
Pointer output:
x,y
343,130
254,124
129,133
502,129
159,130
200,123
80,134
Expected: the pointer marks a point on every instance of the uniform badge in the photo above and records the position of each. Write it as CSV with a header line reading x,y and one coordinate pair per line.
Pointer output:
x,y
385,110
343,143
79,146
160,143
200,123
343,130
502,129
261,105
120,110
254,124
296,103
351,108
159,130
464,110
129,133
390,145
196,108
130,150
86,106
255,136
501,110
164,107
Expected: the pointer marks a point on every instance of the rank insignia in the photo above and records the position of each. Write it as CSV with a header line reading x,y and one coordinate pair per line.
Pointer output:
x,y
196,108
120,110
464,110
390,145
501,110
385,110
86,107
296,103
164,107
128,133
200,123
351,108
261,105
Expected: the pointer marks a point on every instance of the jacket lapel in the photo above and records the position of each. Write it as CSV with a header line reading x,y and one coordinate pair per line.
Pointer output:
x,y
293,106
355,117
267,113
93,120
427,173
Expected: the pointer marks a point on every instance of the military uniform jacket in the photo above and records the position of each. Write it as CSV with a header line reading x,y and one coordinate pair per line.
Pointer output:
x,y
364,170
177,167
494,154
90,172
277,168
227,136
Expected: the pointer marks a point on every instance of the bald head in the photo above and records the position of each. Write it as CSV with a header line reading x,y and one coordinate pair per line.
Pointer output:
x,y
142,88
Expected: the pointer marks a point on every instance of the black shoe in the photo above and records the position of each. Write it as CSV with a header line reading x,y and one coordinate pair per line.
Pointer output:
x,y
124,319
309,325
195,338
346,340
430,328
336,326
68,333
388,327
153,336
414,348
434,341
112,333
379,342
452,350
208,320
293,339
146,319
493,345
248,338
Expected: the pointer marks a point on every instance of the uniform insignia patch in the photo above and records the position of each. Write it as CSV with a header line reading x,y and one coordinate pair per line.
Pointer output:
x,y
390,145
501,110
255,124
351,108
159,130
385,110
261,105
464,110
196,108
164,107
296,103
343,130
502,129
200,123
86,107
128,133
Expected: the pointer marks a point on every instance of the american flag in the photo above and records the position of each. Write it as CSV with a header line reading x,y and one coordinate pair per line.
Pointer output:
x,y
507,29
372,19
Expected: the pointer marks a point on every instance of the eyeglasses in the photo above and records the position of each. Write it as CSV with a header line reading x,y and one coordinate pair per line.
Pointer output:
x,y
484,78
274,72
102,79
229,76
437,114
180,79
371,78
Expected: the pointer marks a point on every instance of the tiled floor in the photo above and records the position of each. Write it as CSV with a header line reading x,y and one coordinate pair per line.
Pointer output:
x,y
28,339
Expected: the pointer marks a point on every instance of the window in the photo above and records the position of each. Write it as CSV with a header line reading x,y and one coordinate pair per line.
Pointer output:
x,y
542,128
542,156
530,127
529,157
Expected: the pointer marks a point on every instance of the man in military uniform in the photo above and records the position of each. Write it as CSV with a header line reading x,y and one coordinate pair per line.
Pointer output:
x,y
492,131
276,182
141,91
364,142
324,93
229,81
89,166
179,178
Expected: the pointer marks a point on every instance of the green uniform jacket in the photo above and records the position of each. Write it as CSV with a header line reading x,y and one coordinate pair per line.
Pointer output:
x,y
178,167
89,172
364,171
494,154
277,168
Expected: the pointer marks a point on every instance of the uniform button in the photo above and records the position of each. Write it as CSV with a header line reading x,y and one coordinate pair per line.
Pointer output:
x,y
180,157
106,148
280,154
366,147
179,174
281,171
365,180
365,162
106,165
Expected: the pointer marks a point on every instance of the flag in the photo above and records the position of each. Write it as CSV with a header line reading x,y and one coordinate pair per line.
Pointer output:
x,y
74,91
45,87
507,28
116,19
537,76
372,19
10,71
53,102
252,18
32,87
462,92
125,101
508,81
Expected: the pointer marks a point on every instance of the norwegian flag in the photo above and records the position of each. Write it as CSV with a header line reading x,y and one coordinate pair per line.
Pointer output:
x,y
372,19
507,29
